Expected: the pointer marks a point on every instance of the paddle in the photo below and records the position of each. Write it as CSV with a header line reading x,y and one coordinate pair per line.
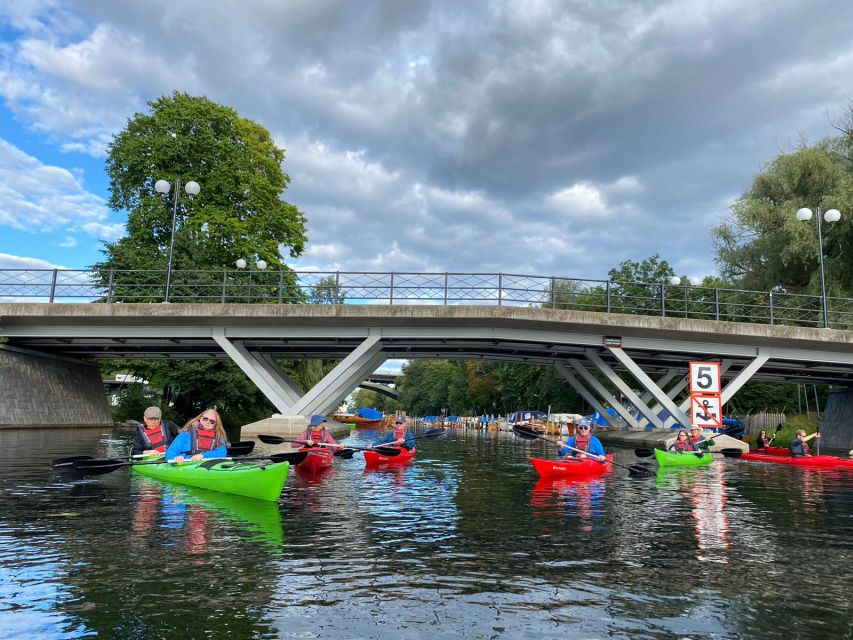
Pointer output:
x,y
101,466
344,452
731,453
60,464
529,434
648,453
242,448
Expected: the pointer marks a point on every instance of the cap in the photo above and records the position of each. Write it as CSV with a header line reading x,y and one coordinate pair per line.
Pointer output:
x,y
400,420
315,420
153,412
696,427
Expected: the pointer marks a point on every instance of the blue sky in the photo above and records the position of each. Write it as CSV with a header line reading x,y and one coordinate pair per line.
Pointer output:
x,y
548,138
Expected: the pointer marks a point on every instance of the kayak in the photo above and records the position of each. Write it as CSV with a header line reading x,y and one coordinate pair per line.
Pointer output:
x,y
677,459
572,466
772,451
375,459
262,480
318,458
811,462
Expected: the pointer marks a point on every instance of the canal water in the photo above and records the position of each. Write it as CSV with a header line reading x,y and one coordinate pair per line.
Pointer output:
x,y
466,542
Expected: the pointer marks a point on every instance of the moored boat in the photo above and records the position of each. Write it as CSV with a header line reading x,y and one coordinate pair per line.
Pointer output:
x,y
375,459
261,480
810,462
679,459
318,458
572,466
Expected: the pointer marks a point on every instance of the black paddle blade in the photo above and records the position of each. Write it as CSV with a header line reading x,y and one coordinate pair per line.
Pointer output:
x,y
99,466
346,454
267,439
525,432
639,472
242,448
731,453
644,453
293,458
434,433
387,451
67,463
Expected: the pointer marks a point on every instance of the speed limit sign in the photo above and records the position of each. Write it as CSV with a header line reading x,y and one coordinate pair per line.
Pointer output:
x,y
704,378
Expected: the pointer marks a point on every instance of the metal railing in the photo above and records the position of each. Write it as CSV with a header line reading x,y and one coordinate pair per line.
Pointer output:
x,y
400,288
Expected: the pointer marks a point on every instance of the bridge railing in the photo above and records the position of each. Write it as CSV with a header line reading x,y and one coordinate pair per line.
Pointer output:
x,y
400,288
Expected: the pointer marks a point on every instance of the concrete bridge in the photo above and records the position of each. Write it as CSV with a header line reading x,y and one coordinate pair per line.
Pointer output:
x,y
655,351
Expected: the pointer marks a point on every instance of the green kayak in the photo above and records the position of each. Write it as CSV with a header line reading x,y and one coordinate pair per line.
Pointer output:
x,y
262,480
676,459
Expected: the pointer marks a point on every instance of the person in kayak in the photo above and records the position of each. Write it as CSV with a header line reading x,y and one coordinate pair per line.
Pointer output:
x,y
316,433
798,446
586,442
202,437
154,435
698,440
762,441
400,436
682,443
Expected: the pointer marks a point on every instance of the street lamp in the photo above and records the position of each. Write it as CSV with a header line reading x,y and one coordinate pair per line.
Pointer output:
x,y
833,215
163,186
694,282
242,263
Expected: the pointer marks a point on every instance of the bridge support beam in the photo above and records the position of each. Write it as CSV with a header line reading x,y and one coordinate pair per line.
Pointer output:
x,y
569,377
341,380
649,384
744,375
603,393
626,390
685,406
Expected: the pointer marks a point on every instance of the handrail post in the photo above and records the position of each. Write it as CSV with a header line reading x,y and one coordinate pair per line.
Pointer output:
x,y
338,288
391,290
553,293
53,285
111,285
608,297
716,303
224,283
663,299
445,288
500,288
770,307
281,285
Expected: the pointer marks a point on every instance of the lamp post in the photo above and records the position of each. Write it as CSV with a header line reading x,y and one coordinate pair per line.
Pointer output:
x,y
694,282
242,263
163,186
833,215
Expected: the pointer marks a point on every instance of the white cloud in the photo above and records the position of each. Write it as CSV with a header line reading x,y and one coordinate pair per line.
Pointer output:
x,y
9,261
69,242
577,200
112,231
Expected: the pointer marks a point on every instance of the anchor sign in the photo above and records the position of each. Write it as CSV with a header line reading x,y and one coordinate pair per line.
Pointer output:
x,y
706,411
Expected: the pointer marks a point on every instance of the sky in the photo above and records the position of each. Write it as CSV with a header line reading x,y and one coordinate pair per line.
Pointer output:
x,y
536,137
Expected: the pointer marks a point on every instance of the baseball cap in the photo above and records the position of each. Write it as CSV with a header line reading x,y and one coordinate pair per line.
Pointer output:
x,y
315,420
400,420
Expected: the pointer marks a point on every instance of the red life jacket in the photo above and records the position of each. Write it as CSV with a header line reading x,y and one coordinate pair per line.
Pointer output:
x,y
683,445
155,437
582,442
695,442
399,433
202,440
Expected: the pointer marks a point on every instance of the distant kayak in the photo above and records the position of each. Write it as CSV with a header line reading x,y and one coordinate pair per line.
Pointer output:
x,y
810,462
262,480
374,459
318,458
687,459
572,466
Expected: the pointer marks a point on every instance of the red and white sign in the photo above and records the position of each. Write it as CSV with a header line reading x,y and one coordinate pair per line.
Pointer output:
x,y
706,411
704,378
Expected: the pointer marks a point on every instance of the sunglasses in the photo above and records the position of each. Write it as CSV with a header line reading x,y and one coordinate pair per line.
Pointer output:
x,y
584,428
207,420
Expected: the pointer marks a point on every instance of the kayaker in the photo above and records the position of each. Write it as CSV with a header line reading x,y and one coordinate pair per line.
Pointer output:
x,y
202,437
400,436
316,433
798,446
154,435
682,443
698,440
584,440
762,441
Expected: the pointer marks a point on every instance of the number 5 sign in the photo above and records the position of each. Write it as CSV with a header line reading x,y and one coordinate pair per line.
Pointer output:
x,y
704,378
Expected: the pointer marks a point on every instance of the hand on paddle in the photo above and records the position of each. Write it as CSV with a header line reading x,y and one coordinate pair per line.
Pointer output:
x,y
582,454
181,459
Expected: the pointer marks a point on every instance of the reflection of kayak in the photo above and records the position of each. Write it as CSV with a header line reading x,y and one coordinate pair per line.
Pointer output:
x,y
374,459
811,462
677,459
260,480
318,458
261,517
572,466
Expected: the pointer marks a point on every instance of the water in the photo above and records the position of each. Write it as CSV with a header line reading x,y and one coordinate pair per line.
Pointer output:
x,y
464,543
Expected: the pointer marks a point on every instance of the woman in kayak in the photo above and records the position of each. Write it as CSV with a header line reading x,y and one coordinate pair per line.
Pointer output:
x,y
316,433
589,445
762,441
399,436
202,437
798,446
682,443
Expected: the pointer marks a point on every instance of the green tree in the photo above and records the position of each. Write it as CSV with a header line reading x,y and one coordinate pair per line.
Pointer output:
x,y
327,291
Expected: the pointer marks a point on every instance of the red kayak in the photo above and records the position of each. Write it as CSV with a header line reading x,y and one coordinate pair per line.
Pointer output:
x,y
374,459
572,466
317,459
773,451
811,462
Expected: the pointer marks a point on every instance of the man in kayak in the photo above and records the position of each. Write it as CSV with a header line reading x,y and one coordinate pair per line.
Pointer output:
x,y
399,436
316,433
798,446
698,440
586,442
202,437
154,435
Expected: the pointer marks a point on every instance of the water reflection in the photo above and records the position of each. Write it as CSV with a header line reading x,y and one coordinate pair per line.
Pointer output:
x,y
574,497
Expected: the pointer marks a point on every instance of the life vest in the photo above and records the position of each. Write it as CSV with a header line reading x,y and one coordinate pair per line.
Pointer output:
x,y
582,442
316,436
399,433
155,437
694,442
762,442
202,440
798,448
683,445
